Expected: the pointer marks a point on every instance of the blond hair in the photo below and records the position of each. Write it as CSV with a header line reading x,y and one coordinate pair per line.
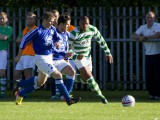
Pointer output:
x,y
3,13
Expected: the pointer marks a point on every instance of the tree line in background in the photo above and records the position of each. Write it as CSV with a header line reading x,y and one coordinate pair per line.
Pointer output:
x,y
79,3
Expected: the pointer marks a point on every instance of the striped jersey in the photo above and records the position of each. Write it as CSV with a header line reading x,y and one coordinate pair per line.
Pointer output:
x,y
43,40
81,41
59,52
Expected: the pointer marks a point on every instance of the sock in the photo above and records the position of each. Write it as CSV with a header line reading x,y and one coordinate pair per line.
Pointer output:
x,y
28,82
52,86
62,88
69,81
27,90
79,79
94,87
3,85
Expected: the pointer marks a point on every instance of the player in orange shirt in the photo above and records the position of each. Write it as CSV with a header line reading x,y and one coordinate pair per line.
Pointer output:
x,y
24,58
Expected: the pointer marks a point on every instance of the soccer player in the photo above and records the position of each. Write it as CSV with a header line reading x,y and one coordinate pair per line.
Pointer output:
x,y
25,58
5,38
80,39
60,61
43,38
55,94
56,16
54,91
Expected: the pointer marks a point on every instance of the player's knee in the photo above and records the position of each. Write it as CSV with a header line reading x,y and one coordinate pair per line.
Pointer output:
x,y
71,73
40,84
56,74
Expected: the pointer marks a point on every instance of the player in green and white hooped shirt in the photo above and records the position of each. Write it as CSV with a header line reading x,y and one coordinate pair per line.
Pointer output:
x,y
80,39
5,37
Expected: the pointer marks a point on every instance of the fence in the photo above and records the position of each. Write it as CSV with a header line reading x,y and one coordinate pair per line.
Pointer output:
x,y
117,26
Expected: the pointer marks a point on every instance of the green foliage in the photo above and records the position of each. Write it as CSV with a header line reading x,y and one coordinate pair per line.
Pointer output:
x,y
78,3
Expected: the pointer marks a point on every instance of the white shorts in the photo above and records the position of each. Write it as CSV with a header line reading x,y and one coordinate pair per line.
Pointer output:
x,y
25,62
84,62
60,64
3,59
45,64
73,64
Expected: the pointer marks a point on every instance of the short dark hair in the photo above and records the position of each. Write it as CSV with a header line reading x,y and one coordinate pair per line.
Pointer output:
x,y
31,14
47,15
84,18
63,18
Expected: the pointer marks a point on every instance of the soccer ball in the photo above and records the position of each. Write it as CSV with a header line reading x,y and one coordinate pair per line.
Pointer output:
x,y
128,101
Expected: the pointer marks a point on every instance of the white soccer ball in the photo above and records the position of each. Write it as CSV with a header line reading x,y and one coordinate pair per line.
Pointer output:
x,y
128,101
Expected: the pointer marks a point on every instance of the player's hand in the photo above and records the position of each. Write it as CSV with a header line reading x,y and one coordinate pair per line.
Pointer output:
x,y
141,38
17,58
69,55
3,37
57,44
79,57
109,58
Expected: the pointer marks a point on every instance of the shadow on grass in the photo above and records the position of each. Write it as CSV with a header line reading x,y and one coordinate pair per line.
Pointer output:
x,y
87,96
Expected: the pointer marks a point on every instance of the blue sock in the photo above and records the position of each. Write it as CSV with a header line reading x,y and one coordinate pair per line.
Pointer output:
x,y
69,83
27,82
26,91
62,88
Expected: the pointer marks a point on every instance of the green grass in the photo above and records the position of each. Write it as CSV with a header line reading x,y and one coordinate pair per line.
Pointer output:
x,y
37,106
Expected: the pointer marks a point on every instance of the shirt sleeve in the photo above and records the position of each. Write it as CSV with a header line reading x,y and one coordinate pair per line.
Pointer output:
x,y
101,41
28,37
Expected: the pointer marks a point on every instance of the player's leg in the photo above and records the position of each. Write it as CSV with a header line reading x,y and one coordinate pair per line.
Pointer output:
x,y
17,76
30,85
62,88
84,67
3,65
3,82
54,90
45,69
29,66
67,69
68,76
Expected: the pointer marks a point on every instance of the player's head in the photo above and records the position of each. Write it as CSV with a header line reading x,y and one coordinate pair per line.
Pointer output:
x,y
83,23
3,18
56,16
64,22
150,18
48,19
31,19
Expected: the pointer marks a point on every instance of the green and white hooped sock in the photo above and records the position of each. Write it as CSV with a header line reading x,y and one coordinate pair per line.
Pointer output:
x,y
94,87
79,79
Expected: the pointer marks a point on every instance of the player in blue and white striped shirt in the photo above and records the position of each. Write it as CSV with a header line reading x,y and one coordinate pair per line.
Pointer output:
x,y
43,38
60,61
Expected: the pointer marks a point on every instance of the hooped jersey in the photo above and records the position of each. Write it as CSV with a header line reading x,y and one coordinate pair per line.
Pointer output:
x,y
81,41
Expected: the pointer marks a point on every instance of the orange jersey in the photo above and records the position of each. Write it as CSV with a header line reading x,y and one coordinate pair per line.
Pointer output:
x,y
71,27
28,50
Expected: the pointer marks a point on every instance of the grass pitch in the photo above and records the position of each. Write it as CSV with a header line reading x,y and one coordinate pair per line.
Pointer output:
x,y
38,106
